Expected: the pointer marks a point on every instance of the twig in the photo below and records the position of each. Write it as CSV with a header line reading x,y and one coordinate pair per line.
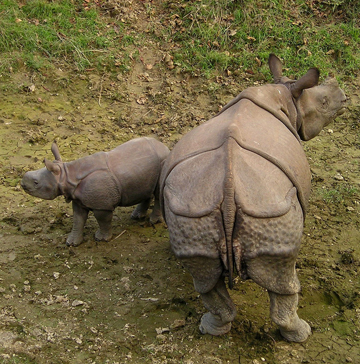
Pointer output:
x,y
101,87
123,232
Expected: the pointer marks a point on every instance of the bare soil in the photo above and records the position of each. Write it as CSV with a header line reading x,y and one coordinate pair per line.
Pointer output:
x,y
129,300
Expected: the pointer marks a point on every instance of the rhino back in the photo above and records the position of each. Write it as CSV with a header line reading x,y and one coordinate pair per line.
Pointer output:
x,y
265,153
136,166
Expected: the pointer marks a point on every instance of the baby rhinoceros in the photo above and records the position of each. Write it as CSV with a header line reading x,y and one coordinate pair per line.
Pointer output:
x,y
124,176
234,192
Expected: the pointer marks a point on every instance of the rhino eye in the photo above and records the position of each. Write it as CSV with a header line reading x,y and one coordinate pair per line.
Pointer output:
x,y
36,182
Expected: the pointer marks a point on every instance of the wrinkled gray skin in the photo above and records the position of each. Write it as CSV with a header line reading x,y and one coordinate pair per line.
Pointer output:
x,y
125,176
234,193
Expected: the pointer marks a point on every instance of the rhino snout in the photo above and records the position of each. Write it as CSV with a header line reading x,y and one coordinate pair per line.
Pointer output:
x,y
29,184
39,185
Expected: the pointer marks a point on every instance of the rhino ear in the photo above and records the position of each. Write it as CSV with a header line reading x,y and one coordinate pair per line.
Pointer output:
x,y
275,66
309,80
52,167
55,151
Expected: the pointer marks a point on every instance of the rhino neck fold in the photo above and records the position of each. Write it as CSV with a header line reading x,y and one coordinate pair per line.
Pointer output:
x,y
66,185
275,99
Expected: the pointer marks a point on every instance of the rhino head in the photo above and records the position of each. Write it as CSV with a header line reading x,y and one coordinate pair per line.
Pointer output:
x,y
317,105
44,182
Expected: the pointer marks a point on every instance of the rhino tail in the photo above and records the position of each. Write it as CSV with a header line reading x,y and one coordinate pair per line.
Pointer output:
x,y
228,210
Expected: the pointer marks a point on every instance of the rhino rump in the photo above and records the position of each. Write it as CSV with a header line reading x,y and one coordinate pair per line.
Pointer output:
x,y
196,186
263,197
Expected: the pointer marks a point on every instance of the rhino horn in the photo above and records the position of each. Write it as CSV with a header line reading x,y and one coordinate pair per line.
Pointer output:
x,y
52,166
310,79
55,151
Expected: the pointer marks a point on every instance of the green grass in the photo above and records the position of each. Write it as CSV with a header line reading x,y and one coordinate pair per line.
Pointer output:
x,y
208,37
41,32
337,194
218,35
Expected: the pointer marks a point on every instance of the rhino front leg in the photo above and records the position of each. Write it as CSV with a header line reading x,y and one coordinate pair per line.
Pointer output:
x,y
79,218
209,282
104,219
141,209
283,312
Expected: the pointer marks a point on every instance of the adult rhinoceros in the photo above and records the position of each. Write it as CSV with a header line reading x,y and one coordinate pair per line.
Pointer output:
x,y
234,193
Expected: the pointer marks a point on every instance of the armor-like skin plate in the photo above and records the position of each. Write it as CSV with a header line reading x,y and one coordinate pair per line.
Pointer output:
x,y
235,190
125,176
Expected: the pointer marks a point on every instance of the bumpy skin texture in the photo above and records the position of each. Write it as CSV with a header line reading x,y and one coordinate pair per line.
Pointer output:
x,y
125,176
234,192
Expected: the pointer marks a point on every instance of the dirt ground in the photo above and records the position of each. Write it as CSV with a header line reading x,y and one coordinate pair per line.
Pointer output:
x,y
129,300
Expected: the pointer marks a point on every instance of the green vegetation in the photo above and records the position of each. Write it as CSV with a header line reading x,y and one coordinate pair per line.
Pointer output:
x,y
210,36
337,194
41,33
229,34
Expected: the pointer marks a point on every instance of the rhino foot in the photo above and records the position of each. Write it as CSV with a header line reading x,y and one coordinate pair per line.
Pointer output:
x,y
299,335
74,240
156,218
101,236
137,215
141,210
211,324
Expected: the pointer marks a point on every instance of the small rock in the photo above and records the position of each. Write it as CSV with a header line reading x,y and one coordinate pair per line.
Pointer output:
x,y
349,360
177,323
78,340
169,62
161,330
56,275
76,303
61,299
349,208
142,100
61,118
339,177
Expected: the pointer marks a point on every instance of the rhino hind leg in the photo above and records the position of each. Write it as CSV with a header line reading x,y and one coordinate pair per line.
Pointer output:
x,y
141,209
79,218
156,215
104,219
209,282
283,313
